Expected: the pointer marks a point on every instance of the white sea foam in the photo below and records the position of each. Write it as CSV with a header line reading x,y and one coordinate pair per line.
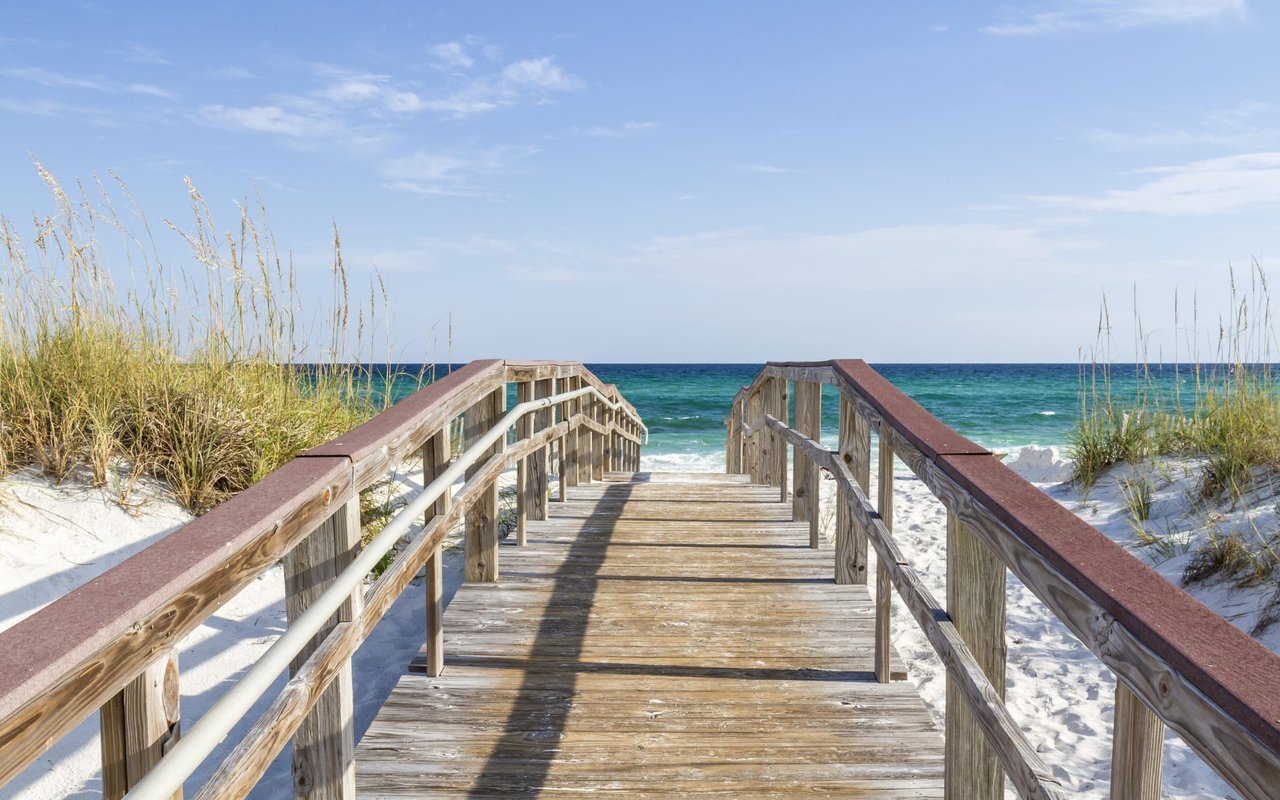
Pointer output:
x,y
1047,413
1040,464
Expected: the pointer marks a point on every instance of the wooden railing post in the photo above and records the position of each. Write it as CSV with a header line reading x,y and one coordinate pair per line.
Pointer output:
x,y
855,452
568,464
771,450
598,451
1137,748
482,517
778,446
884,590
537,462
807,492
584,439
436,456
324,744
976,604
524,427
751,446
139,725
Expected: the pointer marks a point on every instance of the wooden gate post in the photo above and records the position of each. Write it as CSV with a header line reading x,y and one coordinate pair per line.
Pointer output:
x,y
537,461
807,492
524,428
435,460
976,604
884,589
482,517
1137,748
855,452
324,744
598,451
139,725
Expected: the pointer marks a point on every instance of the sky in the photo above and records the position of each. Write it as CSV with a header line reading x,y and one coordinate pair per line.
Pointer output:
x,y
670,181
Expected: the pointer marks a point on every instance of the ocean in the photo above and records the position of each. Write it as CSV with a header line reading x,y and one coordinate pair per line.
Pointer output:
x,y
1000,406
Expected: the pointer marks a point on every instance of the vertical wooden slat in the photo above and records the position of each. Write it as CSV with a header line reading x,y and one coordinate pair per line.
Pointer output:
x,y
780,405
435,459
1137,748
139,725
482,517
537,466
807,492
884,590
751,447
324,744
524,428
855,451
976,604
599,452
569,467
584,439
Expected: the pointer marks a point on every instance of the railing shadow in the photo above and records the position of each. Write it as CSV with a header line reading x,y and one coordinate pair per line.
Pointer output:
x,y
561,637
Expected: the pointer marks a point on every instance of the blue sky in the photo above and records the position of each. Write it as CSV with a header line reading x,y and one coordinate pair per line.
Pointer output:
x,y
648,181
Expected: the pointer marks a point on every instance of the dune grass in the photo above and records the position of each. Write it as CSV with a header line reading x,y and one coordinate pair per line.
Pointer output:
x,y
1224,412
202,375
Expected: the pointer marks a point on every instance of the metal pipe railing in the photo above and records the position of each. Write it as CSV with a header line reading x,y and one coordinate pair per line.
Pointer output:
x,y
196,744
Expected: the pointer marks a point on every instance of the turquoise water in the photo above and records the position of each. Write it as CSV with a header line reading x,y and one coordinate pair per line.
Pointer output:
x,y
1000,406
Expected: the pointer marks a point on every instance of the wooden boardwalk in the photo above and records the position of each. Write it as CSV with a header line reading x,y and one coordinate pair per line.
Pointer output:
x,y
660,635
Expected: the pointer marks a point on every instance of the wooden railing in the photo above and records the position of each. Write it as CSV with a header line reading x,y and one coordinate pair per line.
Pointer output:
x,y
110,646
1176,662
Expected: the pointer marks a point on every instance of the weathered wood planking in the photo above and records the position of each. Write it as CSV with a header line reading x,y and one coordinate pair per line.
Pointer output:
x,y
659,635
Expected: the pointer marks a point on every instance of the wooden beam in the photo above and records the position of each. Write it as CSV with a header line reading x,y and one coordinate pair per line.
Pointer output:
x,y
569,469
524,426
806,494
976,604
139,725
482,517
537,461
1137,748
324,744
436,456
884,589
855,453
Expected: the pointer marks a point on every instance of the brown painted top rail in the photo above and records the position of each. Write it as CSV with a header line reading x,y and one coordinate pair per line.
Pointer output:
x,y
69,659
1215,685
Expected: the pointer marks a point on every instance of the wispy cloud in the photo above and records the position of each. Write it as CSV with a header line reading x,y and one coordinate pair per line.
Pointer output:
x,y
764,169
50,78
453,54
59,80
141,54
152,90
234,72
1247,125
1198,188
619,131
535,79
353,105
263,119
449,174
1066,16
463,53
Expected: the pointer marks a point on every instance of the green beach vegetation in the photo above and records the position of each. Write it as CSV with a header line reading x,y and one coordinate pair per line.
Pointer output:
x,y
1222,414
115,364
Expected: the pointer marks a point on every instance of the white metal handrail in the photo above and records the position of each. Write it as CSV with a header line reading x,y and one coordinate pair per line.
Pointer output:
x,y
194,747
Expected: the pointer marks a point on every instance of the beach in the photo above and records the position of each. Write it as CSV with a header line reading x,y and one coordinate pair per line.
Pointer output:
x,y
1057,691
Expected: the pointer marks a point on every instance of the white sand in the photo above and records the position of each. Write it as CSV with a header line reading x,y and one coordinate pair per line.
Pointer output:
x,y
55,538
1057,690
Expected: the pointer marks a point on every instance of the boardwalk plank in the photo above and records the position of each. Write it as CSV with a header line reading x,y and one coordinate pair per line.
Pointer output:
x,y
660,635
